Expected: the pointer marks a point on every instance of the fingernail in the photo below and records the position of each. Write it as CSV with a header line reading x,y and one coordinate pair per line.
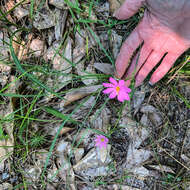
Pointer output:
x,y
115,14
151,84
117,75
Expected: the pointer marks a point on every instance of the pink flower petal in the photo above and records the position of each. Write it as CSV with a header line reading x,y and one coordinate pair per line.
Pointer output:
x,y
108,85
127,90
127,97
106,140
121,96
100,137
98,144
104,145
121,83
113,95
97,140
113,81
108,90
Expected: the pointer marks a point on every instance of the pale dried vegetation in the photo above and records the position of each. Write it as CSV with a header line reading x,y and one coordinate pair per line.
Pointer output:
x,y
54,56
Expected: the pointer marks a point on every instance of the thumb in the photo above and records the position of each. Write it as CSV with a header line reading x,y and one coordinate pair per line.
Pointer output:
x,y
128,9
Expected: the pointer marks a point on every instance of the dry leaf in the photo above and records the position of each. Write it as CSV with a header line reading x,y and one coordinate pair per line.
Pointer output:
x,y
105,68
78,94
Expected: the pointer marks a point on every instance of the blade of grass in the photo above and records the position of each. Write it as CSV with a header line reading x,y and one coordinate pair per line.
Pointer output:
x,y
90,8
12,82
73,5
54,142
99,43
187,103
20,68
13,8
19,95
31,9
3,18
22,125
36,119
60,115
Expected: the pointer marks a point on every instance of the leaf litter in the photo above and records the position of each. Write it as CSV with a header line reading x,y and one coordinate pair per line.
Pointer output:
x,y
148,138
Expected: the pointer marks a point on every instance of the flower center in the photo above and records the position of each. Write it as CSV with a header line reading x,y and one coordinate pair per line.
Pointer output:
x,y
117,89
102,139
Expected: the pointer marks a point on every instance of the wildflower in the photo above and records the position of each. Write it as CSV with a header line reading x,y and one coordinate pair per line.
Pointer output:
x,y
101,141
118,89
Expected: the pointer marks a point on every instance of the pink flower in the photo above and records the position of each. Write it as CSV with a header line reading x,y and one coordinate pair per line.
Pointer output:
x,y
101,141
118,89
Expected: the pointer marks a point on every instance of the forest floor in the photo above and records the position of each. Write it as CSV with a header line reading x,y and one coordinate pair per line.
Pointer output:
x,y
54,57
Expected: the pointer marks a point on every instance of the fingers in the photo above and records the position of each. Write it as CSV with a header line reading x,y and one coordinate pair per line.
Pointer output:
x,y
164,67
128,9
151,62
126,51
138,61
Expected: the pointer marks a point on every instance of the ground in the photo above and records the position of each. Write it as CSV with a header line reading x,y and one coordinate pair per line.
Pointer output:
x,y
54,57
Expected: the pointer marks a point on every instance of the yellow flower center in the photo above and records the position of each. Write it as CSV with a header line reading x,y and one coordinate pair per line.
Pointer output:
x,y
102,139
117,89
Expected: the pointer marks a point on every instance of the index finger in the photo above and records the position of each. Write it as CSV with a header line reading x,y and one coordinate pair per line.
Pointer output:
x,y
126,51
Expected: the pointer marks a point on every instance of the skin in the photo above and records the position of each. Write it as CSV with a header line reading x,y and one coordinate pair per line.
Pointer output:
x,y
164,31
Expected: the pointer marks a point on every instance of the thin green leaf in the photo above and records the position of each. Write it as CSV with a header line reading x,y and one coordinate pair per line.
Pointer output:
x,y
187,103
20,68
31,8
59,115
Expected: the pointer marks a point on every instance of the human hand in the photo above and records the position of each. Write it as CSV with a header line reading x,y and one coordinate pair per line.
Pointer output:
x,y
165,28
